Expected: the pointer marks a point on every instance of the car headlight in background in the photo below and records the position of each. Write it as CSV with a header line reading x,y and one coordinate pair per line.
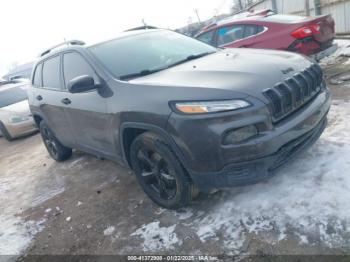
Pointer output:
x,y
210,106
18,119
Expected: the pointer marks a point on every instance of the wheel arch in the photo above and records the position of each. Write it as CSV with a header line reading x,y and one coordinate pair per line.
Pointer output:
x,y
37,119
129,131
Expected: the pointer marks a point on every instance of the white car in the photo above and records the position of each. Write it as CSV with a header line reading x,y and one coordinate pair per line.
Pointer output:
x,y
15,117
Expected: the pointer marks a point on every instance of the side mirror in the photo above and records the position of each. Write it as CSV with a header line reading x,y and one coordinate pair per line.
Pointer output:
x,y
81,84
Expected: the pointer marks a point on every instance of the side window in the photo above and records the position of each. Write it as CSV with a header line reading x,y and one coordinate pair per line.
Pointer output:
x,y
260,29
37,79
230,34
51,73
207,37
250,30
75,65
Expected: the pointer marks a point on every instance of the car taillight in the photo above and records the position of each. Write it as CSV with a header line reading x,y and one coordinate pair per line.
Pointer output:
x,y
306,31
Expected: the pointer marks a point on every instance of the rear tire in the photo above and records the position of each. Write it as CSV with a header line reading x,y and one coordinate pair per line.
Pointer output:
x,y
56,150
159,172
5,133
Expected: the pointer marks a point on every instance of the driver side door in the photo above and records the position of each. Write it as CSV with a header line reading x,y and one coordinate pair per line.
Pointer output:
x,y
87,111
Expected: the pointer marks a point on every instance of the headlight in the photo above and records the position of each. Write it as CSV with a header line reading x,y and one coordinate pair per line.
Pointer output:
x,y
210,106
18,119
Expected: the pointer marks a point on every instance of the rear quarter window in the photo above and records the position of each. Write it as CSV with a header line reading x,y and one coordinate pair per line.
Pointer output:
x,y
51,73
250,30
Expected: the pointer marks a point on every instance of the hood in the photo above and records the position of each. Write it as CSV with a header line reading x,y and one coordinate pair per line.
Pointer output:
x,y
20,108
247,71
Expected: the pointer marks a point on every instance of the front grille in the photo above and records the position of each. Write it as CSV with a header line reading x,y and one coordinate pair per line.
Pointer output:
x,y
288,96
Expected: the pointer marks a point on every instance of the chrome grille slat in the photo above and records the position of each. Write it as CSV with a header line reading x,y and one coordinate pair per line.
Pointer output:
x,y
288,96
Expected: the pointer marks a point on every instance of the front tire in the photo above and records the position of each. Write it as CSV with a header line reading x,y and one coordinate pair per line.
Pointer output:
x,y
56,150
159,172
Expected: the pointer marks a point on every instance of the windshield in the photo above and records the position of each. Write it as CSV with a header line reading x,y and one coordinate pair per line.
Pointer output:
x,y
12,96
148,52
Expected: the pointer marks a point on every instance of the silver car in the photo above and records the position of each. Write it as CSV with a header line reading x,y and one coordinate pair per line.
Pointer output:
x,y
15,117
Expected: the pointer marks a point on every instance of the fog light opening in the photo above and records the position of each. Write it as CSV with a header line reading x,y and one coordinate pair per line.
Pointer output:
x,y
239,135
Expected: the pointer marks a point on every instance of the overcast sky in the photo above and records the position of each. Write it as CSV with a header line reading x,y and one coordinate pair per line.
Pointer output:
x,y
29,26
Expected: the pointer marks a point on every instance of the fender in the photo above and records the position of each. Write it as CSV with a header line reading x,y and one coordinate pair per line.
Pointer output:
x,y
157,130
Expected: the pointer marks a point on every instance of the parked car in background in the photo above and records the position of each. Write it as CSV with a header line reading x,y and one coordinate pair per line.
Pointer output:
x,y
183,114
3,82
311,36
15,117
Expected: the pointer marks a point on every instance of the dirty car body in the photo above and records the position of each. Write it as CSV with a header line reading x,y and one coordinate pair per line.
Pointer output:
x,y
230,117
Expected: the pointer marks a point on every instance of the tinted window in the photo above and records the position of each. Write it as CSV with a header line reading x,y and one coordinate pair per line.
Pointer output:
x,y
250,30
37,82
75,65
51,73
12,96
207,37
230,34
147,51
260,29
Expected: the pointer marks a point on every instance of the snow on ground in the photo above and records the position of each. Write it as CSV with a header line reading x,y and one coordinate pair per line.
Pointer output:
x,y
109,231
342,51
156,237
21,189
309,200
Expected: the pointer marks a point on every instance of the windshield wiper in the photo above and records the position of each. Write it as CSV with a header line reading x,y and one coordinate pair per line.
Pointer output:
x,y
141,73
189,58
152,71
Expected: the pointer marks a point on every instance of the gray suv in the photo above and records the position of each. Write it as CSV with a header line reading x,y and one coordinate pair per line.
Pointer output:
x,y
185,116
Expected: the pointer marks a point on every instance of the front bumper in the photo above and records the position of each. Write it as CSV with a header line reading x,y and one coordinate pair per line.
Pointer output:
x,y
21,129
213,165
251,172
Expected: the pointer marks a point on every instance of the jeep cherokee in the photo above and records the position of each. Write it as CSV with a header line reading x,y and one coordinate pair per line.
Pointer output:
x,y
185,116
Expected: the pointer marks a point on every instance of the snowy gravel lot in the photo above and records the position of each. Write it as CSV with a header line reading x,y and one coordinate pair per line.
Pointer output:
x,y
90,206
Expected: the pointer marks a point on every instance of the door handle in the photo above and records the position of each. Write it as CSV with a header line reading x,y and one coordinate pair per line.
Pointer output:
x,y
66,101
39,98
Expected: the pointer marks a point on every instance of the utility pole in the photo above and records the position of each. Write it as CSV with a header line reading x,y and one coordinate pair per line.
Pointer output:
x,y
199,20
307,7
317,4
274,6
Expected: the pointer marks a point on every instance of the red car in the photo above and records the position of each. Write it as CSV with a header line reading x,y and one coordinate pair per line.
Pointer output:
x,y
311,36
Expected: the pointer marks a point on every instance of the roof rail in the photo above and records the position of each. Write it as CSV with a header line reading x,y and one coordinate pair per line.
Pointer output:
x,y
141,28
68,43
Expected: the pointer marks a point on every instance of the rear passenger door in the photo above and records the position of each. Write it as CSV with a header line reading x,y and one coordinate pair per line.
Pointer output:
x,y
249,36
237,35
47,99
228,35
87,111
